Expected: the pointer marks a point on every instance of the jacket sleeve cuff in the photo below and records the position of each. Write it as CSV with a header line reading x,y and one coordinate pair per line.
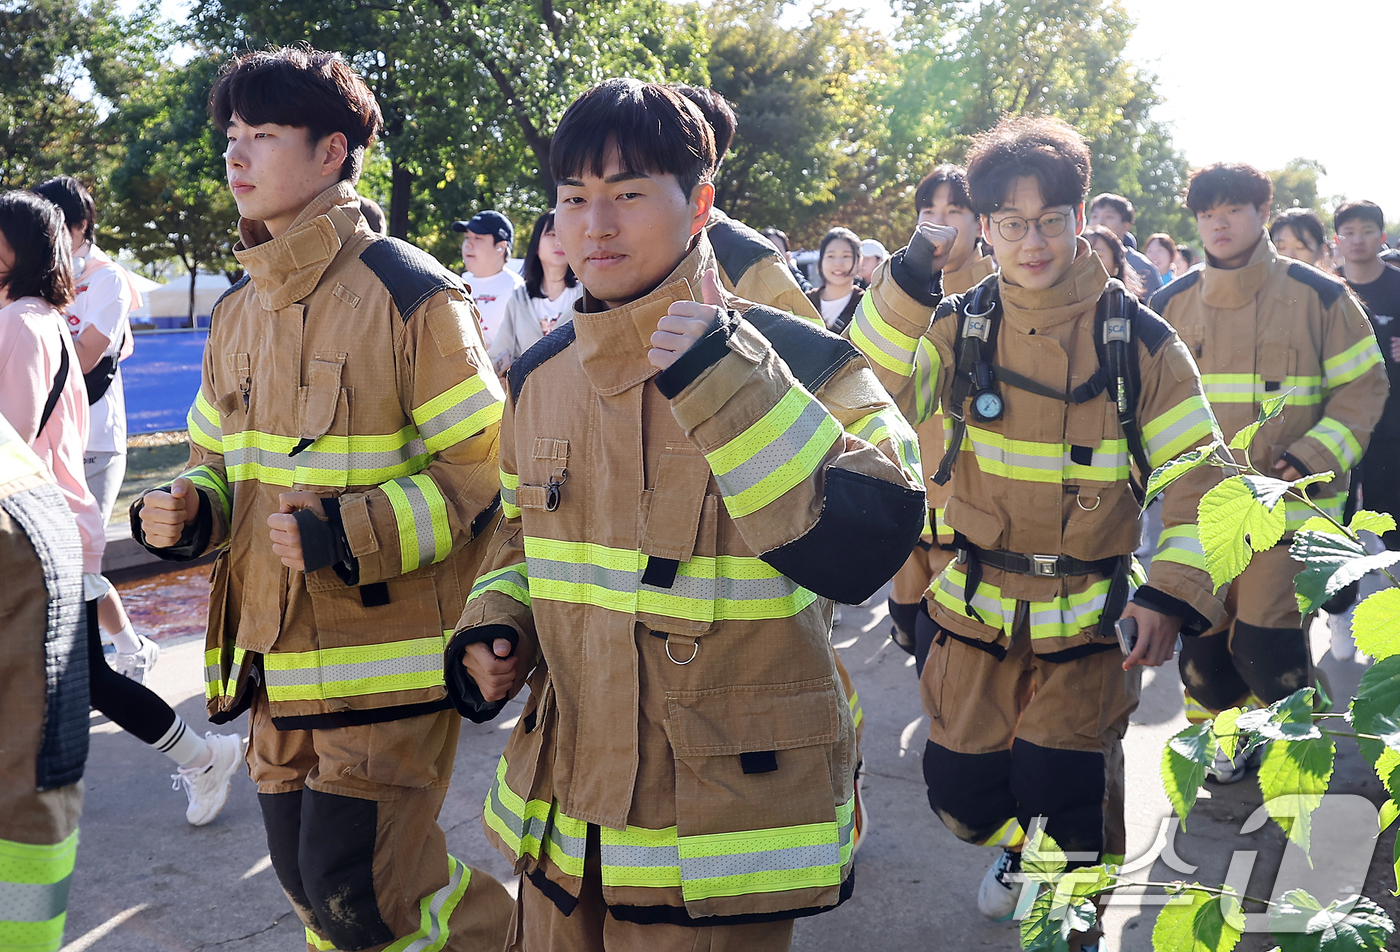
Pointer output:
x,y
192,542
324,544
466,696
702,355
1292,459
1192,621
927,289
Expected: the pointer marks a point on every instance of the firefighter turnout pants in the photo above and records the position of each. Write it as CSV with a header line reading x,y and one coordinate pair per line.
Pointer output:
x,y
1260,653
1022,737
351,817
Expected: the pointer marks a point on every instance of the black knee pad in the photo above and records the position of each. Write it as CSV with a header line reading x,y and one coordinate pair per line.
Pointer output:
x,y
971,793
282,821
1067,788
1208,672
903,617
337,867
926,632
1274,662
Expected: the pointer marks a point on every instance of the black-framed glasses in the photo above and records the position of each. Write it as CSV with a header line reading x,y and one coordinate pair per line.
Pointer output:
x,y
1014,227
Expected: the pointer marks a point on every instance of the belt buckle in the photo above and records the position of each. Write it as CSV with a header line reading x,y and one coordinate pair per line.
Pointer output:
x,y
1045,566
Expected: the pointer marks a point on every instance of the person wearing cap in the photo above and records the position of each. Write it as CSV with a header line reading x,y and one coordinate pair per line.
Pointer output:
x,y
872,255
485,251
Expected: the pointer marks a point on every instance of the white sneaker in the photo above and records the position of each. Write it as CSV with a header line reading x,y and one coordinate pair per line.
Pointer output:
x,y
1225,772
1001,887
207,787
135,665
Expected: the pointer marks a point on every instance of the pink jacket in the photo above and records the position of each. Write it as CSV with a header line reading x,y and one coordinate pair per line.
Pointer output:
x,y
32,339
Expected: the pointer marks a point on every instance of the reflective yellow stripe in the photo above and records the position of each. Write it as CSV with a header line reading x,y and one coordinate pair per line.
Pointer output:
x,y
1196,712
857,712
435,912
529,828
329,461
510,484
637,856
1181,544
456,414
420,511
216,684
1185,426
1009,835
887,424
1337,439
706,588
1038,462
881,342
203,425
34,884
1061,617
1353,362
926,366
410,665
318,943
783,448
1251,388
207,478
513,580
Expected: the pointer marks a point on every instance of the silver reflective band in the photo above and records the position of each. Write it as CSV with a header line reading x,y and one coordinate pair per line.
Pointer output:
x,y
34,902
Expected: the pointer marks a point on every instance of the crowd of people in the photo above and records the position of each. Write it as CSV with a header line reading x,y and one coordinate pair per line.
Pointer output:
x,y
639,478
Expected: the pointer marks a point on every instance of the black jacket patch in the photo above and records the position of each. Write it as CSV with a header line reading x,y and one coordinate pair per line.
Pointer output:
x,y
738,248
546,347
812,353
1327,287
234,287
1151,329
410,275
1163,295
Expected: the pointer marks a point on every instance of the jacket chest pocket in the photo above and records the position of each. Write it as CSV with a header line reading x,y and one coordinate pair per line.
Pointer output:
x,y
324,453
1096,449
1277,366
679,584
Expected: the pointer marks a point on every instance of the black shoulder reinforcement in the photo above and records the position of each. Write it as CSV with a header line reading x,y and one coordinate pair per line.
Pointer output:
x,y
951,304
812,353
865,532
1151,329
738,247
410,275
234,287
1163,295
543,349
1327,287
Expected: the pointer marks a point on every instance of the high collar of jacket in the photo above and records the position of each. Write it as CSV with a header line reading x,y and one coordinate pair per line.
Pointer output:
x,y
613,344
1078,291
287,268
969,275
1236,287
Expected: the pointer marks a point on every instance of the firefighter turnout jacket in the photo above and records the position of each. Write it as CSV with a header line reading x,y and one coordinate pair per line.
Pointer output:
x,y
1049,479
669,548
1276,327
349,365
753,269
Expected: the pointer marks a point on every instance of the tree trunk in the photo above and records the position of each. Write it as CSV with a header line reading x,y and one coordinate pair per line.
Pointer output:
x,y
194,274
400,196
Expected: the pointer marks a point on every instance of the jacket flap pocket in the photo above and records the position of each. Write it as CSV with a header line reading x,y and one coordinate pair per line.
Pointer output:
x,y
741,719
321,397
1274,362
1088,424
676,502
981,528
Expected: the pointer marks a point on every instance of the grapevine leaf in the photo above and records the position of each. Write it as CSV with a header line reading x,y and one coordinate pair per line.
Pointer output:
x,y
1233,525
1389,811
1042,860
1376,624
1184,762
1293,779
1225,731
1377,697
1199,921
1302,924
1172,470
1368,521
1331,562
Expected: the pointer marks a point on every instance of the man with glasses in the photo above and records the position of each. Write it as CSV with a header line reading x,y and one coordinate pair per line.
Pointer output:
x,y
1263,326
1026,690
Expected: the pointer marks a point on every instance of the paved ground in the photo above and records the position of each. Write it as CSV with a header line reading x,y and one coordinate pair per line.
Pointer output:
x,y
147,881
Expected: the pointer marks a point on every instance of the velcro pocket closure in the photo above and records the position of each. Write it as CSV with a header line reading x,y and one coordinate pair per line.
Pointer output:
x,y
745,718
981,528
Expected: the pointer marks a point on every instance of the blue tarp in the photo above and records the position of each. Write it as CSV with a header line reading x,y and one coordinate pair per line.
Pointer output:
x,y
161,378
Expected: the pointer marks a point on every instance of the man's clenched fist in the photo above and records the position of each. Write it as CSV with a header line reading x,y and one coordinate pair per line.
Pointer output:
x,y
164,515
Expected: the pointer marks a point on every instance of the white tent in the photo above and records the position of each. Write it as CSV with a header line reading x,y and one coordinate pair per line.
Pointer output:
x,y
173,299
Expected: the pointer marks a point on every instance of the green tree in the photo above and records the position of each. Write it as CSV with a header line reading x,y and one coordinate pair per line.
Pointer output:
x,y
1295,186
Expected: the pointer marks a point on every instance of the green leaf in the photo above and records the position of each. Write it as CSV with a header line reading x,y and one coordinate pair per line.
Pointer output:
x,y
1272,407
1042,860
1377,522
1395,865
1269,490
1302,924
1242,439
1199,921
1289,718
1376,624
1225,731
1388,770
1184,762
1267,411
1233,525
1321,524
1040,931
1086,882
1293,779
1331,562
1172,470
1377,697
1389,811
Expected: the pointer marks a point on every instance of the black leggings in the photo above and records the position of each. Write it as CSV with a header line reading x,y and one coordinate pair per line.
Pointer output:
x,y
134,708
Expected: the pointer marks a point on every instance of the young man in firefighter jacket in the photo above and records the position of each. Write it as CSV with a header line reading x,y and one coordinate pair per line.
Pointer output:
x,y
681,503
1261,325
342,463
1027,692
44,702
941,199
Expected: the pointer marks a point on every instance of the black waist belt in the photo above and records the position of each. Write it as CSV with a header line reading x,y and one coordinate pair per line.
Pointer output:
x,y
1044,566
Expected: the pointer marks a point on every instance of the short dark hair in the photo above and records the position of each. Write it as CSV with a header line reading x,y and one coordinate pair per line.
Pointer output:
x,y
779,239
718,112
1303,222
837,234
73,200
374,215
1366,211
303,88
1118,203
533,269
1125,273
954,176
1162,237
1048,149
35,231
1188,254
654,129
1228,183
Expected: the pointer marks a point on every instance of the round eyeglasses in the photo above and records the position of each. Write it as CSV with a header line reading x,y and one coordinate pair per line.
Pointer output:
x,y
1014,227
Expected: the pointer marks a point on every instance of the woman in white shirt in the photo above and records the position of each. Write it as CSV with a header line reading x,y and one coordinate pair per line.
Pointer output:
x,y
544,302
839,264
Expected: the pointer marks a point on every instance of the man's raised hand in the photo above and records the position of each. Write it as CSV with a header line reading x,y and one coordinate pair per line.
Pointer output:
x,y
164,515
929,247
685,323
496,669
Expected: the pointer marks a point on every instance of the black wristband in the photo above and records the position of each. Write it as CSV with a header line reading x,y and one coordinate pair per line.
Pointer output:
x,y
916,277
1192,621
702,355
192,542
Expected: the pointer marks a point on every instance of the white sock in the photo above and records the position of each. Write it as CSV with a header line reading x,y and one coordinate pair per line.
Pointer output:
x,y
126,640
184,746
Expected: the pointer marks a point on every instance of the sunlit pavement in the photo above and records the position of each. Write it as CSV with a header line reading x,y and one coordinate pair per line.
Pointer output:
x,y
148,881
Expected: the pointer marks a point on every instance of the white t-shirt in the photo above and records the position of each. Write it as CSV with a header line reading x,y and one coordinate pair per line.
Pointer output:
x,y
491,295
831,310
104,301
551,314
